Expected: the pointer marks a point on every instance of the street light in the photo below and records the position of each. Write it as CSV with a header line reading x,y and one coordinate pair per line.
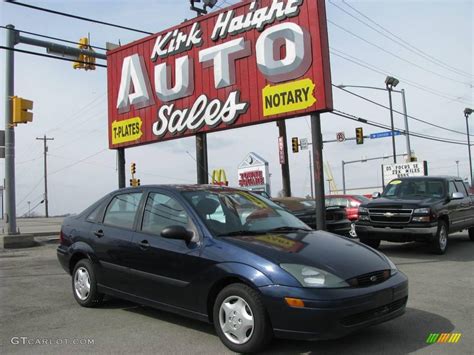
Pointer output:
x,y
467,113
390,83
405,114
457,166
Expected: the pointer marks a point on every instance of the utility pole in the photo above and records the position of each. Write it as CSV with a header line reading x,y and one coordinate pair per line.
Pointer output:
x,y
29,209
467,113
285,168
407,132
10,203
317,139
45,147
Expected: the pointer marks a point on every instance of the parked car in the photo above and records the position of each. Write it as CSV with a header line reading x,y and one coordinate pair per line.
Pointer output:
x,y
304,209
425,209
351,203
197,251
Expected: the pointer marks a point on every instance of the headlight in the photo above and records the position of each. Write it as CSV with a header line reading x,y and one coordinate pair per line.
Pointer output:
x,y
309,276
363,210
422,211
393,267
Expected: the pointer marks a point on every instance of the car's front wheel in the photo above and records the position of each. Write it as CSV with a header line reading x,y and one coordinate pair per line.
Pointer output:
x,y
84,285
440,243
240,319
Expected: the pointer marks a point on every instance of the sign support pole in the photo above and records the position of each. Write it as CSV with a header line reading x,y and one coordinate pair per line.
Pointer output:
x,y
343,177
317,139
285,168
10,203
121,167
201,159
311,173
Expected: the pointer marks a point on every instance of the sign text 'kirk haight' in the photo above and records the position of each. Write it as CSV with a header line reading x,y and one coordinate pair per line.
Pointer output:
x,y
255,62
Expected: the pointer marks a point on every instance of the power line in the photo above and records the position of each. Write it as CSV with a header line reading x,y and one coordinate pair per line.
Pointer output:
x,y
53,38
398,56
383,72
77,17
419,52
50,56
390,38
400,113
379,125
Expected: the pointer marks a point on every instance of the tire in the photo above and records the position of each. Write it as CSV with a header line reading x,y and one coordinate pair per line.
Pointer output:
x,y
440,244
374,243
471,234
84,285
250,314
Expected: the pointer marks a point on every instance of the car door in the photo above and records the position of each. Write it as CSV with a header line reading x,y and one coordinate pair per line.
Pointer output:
x,y
113,240
466,205
163,269
454,208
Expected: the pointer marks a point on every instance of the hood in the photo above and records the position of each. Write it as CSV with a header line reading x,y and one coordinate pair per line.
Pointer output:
x,y
383,202
326,251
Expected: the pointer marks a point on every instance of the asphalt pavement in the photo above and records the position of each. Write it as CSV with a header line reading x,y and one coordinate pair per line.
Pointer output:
x,y
39,315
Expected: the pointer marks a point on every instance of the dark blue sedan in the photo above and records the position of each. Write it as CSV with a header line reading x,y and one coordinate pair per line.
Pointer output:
x,y
228,257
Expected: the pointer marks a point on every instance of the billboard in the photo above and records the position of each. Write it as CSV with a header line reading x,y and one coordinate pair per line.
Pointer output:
x,y
397,171
251,63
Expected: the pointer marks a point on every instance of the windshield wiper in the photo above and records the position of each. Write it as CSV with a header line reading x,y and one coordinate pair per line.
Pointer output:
x,y
288,229
241,232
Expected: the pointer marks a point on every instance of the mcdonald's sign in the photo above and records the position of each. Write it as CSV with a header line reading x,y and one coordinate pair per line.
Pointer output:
x,y
219,178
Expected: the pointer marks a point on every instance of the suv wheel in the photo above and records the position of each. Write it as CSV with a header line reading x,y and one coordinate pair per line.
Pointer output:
x,y
240,319
471,233
84,285
440,243
374,243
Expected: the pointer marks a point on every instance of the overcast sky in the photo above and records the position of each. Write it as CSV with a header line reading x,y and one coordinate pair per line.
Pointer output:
x,y
70,105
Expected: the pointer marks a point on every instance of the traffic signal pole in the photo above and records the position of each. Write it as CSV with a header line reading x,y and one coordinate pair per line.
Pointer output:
x,y
10,203
317,139
285,168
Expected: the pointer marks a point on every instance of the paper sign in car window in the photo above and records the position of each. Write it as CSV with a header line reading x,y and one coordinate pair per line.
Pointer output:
x,y
128,130
395,182
288,97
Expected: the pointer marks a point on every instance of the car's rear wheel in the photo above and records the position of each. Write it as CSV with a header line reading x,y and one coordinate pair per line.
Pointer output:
x,y
84,285
241,320
440,244
471,234
374,243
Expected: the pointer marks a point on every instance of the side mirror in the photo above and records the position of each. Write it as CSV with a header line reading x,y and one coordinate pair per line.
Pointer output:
x,y
376,195
177,232
457,196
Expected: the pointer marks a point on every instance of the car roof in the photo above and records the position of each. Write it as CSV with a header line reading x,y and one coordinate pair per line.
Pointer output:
x,y
184,187
446,177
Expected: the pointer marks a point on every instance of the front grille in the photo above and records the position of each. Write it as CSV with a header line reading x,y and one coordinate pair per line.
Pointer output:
x,y
390,215
369,279
374,313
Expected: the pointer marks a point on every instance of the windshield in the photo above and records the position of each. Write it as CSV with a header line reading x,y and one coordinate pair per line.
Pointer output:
x,y
237,212
415,189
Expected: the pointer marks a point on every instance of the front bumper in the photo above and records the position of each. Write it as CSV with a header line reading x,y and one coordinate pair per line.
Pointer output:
x,y
333,313
407,233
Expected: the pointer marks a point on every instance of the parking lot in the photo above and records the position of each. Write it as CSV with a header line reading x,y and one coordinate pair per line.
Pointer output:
x,y
37,303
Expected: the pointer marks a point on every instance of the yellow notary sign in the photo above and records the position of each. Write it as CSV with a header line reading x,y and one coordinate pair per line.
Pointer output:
x,y
127,130
288,97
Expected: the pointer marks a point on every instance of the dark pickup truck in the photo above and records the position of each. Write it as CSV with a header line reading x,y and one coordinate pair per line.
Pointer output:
x,y
425,209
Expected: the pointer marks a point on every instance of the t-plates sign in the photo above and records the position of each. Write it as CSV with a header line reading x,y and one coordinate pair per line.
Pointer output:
x,y
341,137
254,62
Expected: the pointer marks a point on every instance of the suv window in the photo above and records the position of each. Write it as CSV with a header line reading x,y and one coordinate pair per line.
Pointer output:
x,y
461,187
122,210
452,188
162,211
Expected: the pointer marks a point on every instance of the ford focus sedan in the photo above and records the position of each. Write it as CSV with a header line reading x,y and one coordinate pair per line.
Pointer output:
x,y
231,258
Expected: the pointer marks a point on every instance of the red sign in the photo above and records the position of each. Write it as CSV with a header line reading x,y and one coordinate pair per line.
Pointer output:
x,y
251,178
254,62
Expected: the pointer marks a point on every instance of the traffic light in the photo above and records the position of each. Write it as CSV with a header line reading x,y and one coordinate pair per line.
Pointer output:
x,y
360,135
133,168
21,110
295,144
84,61
131,182
138,182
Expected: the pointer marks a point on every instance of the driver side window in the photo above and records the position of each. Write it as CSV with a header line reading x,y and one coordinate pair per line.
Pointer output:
x,y
162,211
452,188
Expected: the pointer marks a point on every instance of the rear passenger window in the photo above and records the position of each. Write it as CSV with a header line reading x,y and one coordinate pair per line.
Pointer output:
x,y
162,211
94,215
461,187
122,210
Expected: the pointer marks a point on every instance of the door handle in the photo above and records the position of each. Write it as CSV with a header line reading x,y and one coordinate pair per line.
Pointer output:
x,y
144,244
99,233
